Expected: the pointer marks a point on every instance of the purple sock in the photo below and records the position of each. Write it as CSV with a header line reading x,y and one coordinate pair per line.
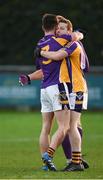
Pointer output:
x,y
67,146
80,131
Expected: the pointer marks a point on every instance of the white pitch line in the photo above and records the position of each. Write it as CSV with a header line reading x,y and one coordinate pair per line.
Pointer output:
x,y
19,140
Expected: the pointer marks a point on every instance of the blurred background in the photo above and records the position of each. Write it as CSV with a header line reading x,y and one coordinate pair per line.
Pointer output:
x,y
20,30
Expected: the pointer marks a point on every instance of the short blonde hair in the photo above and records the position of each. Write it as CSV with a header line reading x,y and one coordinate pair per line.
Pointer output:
x,y
68,22
64,20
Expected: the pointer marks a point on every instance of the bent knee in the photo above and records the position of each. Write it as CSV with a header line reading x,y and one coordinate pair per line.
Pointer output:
x,y
46,130
67,128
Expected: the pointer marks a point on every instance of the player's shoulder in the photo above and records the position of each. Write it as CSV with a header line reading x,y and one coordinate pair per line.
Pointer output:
x,y
45,40
40,41
63,36
72,44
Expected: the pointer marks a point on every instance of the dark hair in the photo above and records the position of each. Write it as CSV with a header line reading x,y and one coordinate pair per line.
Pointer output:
x,y
49,22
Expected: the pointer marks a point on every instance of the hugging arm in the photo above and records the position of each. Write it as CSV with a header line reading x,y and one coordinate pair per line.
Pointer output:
x,y
54,55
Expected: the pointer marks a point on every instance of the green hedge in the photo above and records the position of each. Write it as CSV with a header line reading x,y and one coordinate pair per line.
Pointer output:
x,y
20,27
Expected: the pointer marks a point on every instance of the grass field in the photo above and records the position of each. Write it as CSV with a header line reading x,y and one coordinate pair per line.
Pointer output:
x,y
19,147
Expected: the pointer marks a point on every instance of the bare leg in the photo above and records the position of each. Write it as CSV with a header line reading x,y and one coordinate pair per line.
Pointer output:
x,y
66,143
63,118
44,140
74,134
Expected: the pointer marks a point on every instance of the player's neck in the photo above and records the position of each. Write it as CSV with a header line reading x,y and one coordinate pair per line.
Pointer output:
x,y
49,33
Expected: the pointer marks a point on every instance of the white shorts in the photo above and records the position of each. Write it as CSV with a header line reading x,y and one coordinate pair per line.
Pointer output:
x,y
51,99
78,101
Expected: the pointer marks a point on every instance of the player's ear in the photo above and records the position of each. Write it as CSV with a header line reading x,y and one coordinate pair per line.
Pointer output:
x,y
42,28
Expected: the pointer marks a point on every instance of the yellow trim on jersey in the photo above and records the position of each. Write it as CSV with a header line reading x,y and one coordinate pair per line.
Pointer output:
x,y
61,41
75,161
78,102
45,48
64,102
47,62
76,154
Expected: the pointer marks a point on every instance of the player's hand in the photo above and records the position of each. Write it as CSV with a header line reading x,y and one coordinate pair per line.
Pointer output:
x,y
81,30
37,51
24,79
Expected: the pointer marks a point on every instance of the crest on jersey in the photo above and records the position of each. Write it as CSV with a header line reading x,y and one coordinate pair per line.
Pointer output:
x,y
79,95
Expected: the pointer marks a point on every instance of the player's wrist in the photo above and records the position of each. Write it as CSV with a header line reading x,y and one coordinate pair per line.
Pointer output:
x,y
29,80
24,79
81,36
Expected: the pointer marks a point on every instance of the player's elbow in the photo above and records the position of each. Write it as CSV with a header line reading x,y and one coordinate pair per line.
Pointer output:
x,y
60,55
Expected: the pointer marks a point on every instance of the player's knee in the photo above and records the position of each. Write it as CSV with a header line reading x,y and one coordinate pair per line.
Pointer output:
x,y
67,128
65,131
45,130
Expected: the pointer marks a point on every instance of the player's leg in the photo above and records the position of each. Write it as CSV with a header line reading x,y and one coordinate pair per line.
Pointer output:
x,y
44,140
85,163
47,121
67,151
79,125
80,108
75,141
79,102
74,135
62,118
61,112
66,143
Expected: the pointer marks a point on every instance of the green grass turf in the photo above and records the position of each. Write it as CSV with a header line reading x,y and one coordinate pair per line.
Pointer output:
x,y
19,147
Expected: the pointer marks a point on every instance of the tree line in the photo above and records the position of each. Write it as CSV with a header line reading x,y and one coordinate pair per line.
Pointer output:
x,y
20,27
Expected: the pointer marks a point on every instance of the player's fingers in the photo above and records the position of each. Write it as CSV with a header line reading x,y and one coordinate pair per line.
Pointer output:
x,y
20,82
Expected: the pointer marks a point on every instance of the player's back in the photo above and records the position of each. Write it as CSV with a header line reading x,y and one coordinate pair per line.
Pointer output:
x,y
50,68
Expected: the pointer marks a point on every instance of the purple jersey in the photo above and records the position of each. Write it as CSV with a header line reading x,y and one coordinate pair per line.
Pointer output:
x,y
51,68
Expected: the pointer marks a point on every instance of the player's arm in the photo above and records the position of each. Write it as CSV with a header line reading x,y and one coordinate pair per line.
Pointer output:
x,y
36,75
86,68
65,38
60,54
25,79
76,36
54,55
72,48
